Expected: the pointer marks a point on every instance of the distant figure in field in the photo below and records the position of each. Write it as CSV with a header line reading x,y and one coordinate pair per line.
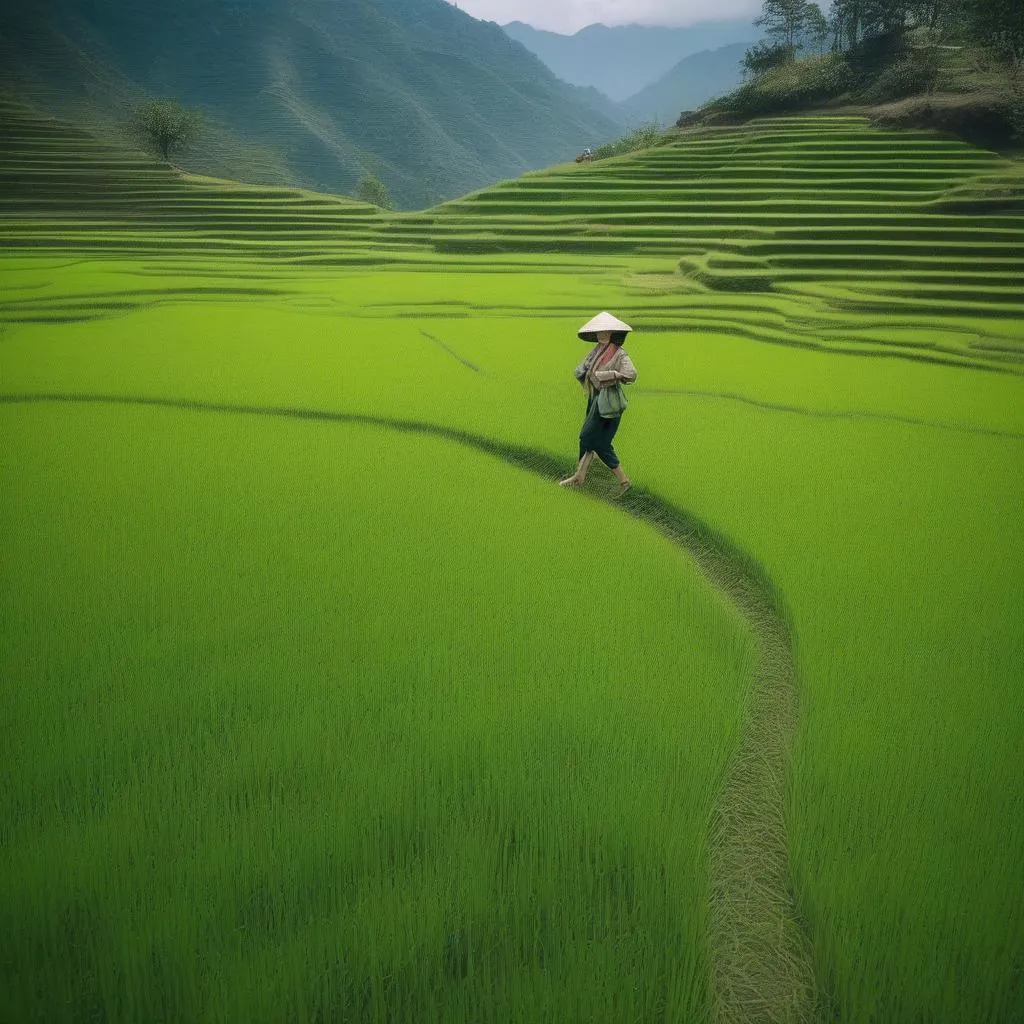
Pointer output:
x,y
601,375
585,156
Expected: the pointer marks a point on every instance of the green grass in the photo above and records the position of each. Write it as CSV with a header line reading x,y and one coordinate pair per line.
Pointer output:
x,y
298,761
857,436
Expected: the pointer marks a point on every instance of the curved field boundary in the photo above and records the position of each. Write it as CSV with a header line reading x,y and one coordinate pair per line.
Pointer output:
x,y
761,969
451,351
851,414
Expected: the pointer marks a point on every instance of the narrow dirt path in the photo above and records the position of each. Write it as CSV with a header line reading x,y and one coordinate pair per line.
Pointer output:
x,y
760,958
762,972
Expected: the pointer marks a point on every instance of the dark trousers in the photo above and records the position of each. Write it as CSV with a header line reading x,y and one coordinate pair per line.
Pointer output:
x,y
597,434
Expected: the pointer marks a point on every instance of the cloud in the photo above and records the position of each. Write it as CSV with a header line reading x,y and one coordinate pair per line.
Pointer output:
x,y
569,16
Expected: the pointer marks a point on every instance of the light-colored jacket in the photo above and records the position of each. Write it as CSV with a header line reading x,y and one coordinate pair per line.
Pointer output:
x,y
619,368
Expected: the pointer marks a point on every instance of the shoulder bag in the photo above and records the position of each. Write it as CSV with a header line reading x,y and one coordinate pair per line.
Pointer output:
x,y
611,401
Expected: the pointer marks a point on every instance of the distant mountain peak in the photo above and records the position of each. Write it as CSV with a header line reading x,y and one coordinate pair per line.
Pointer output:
x,y
622,60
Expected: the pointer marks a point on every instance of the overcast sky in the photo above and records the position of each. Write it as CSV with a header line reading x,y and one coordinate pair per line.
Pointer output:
x,y
568,16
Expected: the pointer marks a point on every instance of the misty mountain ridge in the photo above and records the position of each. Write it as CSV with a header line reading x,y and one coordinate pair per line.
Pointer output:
x,y
624,60
433,102
692,82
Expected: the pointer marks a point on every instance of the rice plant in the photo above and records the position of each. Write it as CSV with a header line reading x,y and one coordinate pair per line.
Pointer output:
x,y
306,717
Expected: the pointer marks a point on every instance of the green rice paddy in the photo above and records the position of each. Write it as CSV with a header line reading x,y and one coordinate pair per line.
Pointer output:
x,y
324,703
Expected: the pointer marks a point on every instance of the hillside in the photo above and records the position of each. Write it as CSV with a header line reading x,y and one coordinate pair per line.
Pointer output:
x,y
430,100
623,60
907,81
791,230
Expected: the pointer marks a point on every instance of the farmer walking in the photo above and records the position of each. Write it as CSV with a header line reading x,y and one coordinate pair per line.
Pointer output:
x,y
602,374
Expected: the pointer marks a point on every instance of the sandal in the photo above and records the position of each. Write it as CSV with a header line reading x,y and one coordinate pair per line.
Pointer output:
x,y
624,487
569,481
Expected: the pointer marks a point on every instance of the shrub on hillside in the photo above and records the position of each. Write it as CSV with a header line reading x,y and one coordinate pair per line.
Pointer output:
x,y
1015,106
801,83
872,54
764,56
999,26
984,120
372,190
912,74
1016,119
645,135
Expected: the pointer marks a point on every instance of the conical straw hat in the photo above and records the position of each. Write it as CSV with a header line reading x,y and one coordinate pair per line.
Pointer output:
x,y
604,321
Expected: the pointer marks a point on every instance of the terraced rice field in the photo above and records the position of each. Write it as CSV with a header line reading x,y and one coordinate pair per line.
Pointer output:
x,y
324,703
821,232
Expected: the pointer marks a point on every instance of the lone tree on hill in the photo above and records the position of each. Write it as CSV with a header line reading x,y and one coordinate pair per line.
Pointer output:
x,y
816,27
788,25
373,190
785,20
164,125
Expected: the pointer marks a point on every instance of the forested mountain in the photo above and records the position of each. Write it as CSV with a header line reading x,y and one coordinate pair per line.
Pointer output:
x,y
624,60
692,82
428,99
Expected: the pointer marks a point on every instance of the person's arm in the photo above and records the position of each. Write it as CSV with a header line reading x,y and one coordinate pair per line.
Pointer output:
x,y
626,373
